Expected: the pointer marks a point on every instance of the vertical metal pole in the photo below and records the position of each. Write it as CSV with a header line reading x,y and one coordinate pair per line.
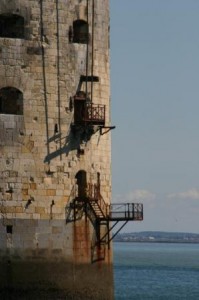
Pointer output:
x,y
98,233
87,12
108,234
44,80
58,76
92,66
74,212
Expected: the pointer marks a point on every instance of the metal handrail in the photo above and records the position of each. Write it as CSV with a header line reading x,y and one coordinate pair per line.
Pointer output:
x,y
94,112
126,211
93,192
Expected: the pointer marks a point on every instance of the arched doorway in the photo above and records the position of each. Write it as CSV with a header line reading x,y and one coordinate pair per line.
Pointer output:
x,y
81,178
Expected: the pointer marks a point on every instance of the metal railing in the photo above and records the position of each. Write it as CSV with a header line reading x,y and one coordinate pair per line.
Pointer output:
x,y
115,212
93,193
94,113
126,211
88,113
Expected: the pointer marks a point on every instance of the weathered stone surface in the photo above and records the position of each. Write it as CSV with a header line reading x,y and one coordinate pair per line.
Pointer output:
x,y
39,157
54,280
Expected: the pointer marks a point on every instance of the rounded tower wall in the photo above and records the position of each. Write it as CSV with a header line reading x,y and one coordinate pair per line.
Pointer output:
x,y
41,148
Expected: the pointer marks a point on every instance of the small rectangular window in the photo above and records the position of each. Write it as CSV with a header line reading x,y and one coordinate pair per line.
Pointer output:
x,y
9,229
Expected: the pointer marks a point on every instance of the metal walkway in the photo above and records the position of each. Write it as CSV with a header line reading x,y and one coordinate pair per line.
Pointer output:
x,y
103,216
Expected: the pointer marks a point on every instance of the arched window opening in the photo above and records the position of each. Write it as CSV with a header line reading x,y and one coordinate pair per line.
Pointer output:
x,y
11,101
12,26
80,32
81,183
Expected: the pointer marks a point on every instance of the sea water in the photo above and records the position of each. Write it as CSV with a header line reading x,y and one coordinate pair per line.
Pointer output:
x,y
166,271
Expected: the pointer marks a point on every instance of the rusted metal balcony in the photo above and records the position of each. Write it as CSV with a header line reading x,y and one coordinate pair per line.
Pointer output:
x,y
95,114
87,113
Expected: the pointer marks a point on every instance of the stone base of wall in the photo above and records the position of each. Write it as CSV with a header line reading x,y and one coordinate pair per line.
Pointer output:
x,y
55,280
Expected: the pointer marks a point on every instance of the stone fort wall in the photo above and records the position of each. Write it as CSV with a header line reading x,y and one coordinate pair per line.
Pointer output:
x,y
40,154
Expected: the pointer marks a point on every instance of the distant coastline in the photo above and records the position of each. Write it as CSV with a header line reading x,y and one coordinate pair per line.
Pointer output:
x,y
158,237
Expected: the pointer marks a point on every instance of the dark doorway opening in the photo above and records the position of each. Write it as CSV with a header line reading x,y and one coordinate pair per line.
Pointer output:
x,y
81,183
80,32
11,101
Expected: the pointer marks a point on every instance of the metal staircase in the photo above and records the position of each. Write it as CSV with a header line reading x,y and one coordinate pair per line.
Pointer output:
x,y
104,217
96,209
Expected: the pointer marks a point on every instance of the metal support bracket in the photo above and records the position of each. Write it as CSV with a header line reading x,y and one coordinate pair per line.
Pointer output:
x,y
108,128
109,230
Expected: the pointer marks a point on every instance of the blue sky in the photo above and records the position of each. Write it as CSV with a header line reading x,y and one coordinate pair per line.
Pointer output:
x,y
155,107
